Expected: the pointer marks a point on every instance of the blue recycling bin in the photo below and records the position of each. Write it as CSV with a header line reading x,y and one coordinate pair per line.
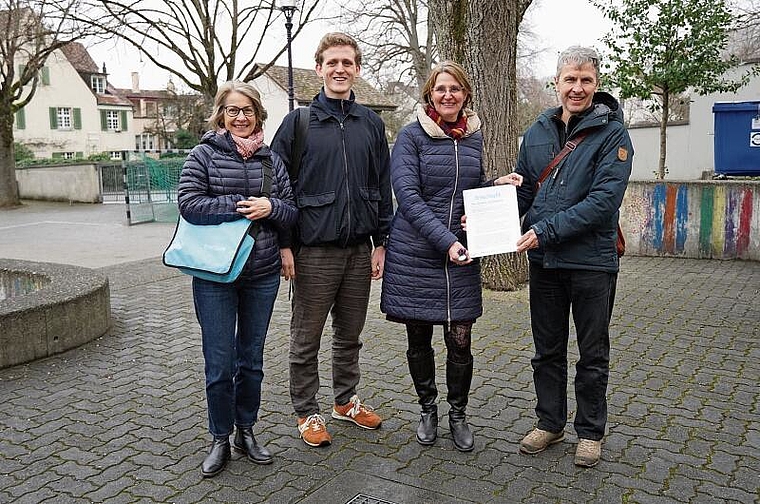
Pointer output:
x,y
737,138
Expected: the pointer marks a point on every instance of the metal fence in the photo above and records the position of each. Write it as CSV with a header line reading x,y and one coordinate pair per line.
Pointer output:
x,y
147,187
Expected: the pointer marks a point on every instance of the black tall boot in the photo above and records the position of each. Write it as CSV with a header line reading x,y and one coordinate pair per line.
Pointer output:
x,y
422,369
458,380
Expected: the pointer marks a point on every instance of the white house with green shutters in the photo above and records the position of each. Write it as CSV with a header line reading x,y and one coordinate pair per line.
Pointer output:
x,y
75,112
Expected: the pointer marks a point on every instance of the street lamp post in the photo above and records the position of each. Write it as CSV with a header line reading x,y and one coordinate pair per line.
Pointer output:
x,y
288,7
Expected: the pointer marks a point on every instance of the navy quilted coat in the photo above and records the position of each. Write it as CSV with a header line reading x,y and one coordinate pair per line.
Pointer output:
x,y
429,171
215,177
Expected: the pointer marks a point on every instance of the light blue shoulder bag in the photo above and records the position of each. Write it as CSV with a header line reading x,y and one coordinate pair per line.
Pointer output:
x,y
215,252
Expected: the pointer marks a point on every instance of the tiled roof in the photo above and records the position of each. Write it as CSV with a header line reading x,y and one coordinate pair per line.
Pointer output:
x,y
306,85
79,58
153,94
112,97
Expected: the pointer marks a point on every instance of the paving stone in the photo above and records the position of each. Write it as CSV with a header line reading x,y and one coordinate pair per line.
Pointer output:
x,y
123,419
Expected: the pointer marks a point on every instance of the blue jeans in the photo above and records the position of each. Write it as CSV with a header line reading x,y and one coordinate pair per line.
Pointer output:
x,y
590,295
234,319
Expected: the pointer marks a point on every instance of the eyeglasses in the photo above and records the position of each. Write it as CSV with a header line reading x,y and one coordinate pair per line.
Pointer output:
x,y
233,111
442,90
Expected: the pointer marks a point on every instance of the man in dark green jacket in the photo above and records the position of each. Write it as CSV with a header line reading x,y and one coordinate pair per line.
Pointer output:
x,y
570,232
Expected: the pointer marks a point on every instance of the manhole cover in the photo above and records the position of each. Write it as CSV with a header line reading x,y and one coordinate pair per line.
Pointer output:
x,y
368,499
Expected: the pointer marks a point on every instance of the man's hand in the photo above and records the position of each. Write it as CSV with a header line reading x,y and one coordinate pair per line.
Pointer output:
x,y
255,208
378,262
288,270
527,241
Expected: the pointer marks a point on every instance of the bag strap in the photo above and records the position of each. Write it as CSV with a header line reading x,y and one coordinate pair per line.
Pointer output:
x,y
299,141
267,175
569,147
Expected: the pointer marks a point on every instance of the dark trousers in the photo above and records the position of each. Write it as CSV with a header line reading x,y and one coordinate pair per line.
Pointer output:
x,y
334,281
590,295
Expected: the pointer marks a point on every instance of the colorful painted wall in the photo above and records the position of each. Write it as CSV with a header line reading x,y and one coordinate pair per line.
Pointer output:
x,y
696,219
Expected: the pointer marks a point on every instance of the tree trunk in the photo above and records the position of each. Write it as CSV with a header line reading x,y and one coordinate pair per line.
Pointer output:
x,y
482,36
8,187
663,134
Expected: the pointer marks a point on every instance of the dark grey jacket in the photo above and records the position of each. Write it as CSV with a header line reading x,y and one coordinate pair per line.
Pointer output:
x,y
343,188
215,177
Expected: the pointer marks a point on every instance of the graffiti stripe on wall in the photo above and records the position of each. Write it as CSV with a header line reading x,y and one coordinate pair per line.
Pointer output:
x,y
719,223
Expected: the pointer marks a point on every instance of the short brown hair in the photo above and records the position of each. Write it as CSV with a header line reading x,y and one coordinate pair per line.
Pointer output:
x,y
334,39
216,120
455,70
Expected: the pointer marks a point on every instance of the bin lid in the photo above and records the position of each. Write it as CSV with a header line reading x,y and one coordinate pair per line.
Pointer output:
x,y
738,106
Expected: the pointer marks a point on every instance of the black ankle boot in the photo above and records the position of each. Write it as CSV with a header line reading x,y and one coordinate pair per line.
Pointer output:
x,y
422,369
458,380
217,457
245,442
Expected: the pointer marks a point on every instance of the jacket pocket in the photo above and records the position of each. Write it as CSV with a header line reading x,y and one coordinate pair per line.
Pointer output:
x,y
317,221
366,219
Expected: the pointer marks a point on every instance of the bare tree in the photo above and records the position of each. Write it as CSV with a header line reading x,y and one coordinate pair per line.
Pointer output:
x,y
482,35
394,35
30,32
744,39
200,42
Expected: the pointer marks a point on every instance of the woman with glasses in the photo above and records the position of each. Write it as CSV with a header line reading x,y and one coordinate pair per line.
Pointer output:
x,y
429,278
233,175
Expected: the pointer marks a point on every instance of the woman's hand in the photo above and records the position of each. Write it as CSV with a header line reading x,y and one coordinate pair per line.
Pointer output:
x,y
255,208
459,255
513,178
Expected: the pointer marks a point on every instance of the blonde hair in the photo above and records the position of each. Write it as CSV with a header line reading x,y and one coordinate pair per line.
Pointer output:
x,y
455,70
334,39
216,120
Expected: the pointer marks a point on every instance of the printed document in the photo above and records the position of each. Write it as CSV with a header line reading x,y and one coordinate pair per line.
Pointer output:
x,y
493,220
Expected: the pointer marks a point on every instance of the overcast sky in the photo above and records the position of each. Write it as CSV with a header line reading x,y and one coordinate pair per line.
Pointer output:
x,y
558,24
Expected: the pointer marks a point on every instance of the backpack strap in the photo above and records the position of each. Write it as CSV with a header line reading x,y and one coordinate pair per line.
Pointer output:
x,y
299,141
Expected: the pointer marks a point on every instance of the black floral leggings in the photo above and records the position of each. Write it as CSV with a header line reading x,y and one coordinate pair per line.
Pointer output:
x,y
456,335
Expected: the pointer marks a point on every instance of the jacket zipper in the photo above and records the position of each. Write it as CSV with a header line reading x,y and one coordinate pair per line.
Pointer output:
x,y
348,191
451,216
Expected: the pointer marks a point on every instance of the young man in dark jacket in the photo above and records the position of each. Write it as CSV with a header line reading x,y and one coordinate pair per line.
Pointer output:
x,y
570,230
343,191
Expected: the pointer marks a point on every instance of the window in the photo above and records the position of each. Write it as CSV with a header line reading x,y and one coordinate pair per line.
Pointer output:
x,y
151,109
112,120
63,155
115,155
63,117
145,141
98,84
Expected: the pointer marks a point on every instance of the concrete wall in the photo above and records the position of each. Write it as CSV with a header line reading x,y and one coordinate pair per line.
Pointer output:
x,y
695,219
60,183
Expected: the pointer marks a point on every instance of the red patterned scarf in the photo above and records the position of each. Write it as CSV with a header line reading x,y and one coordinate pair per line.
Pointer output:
x,y
246,146
455,130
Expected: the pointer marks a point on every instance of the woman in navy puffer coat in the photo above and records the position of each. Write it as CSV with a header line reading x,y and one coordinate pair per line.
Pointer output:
x,y
428,277
223,180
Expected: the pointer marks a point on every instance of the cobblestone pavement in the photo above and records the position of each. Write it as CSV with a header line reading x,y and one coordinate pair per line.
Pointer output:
x,y
123,418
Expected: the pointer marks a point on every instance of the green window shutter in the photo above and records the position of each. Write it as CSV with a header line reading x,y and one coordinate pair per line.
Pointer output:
x,y
103,121
77,118
53,118
21,119
123,120
57,155
21,69
45,76
79,155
